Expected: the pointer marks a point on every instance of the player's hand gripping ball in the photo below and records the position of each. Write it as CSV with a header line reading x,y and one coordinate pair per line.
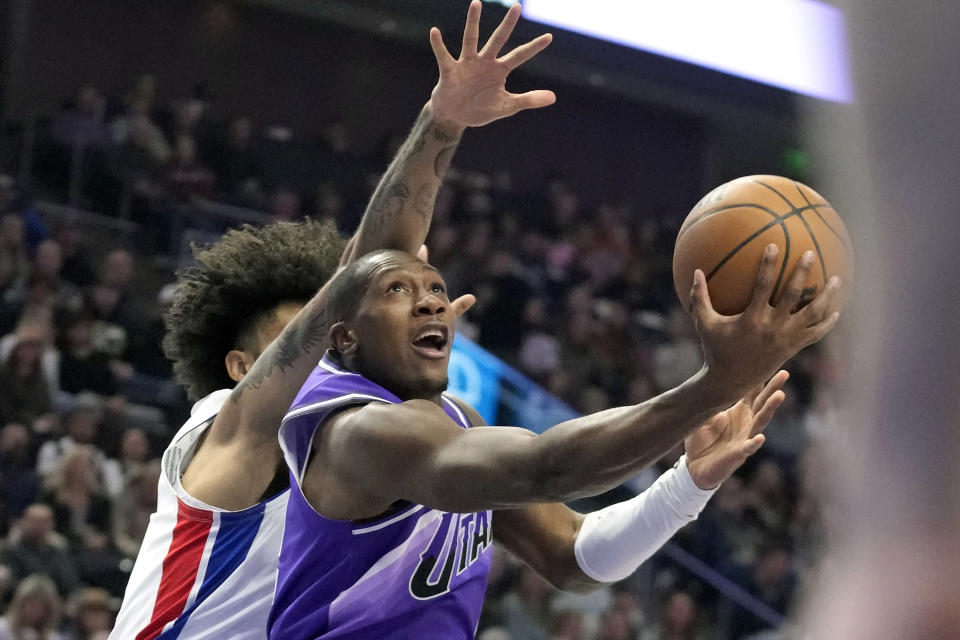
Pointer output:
x,y
726,232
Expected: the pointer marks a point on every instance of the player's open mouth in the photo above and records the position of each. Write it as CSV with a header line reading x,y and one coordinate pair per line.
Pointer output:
x,y
431,339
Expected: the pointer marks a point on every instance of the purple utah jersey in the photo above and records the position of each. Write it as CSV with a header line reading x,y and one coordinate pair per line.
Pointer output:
x,y
413,572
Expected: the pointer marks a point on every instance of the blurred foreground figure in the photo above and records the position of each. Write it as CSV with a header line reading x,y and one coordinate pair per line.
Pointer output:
x,y
894,568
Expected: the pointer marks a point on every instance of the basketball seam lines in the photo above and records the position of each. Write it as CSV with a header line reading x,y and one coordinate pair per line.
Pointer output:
x,y
753,236
782,197
816,245
825,223
786,256
786,237
745,205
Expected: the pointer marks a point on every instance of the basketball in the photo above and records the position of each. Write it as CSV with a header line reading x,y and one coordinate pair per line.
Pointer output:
x,y
726,232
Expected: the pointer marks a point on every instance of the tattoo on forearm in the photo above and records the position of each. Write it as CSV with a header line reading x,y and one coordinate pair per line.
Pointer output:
x,y
409,174
426,197
419,142
442,161
416,141
442,136
307,334
387,205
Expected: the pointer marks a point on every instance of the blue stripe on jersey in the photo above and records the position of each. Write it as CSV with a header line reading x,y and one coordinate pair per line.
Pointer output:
x,y
234,538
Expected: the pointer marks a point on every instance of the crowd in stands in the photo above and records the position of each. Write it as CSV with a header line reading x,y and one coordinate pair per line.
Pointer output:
x,y
578,296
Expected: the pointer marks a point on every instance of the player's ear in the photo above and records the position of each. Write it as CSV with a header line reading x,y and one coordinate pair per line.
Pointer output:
x,y
238,364
342,339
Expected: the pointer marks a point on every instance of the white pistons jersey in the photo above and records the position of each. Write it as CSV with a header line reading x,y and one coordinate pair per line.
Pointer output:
x,y
202,572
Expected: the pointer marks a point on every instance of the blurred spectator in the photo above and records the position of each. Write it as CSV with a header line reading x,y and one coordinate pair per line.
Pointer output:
x,y
771,501
237,164
35,326
187,115
285,204
508,292
140,150
679,357
110,326
13,199
83,367
134,451
36,298
540,351
77,254
24,394
567,625
82,426
525,611
34,547
145,88
113,303
330,204
79,501
81,125
722,536
495,633
677,620
14,265
615,625
34,613
118,269
144,351
136,131
773,580
185,176
91,612
134,506
48,264
18,479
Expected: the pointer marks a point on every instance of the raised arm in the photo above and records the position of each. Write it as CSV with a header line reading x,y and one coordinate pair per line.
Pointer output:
x,y
471,92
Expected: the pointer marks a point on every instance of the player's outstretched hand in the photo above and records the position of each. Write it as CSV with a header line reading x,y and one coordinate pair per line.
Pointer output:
x,y
472,89
744,350
716,449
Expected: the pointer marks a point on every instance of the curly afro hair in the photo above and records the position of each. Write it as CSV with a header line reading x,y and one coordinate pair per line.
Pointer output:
x,y
237,282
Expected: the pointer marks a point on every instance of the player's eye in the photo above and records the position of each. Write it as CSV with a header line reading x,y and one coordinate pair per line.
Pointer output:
x,y
438,288
396,287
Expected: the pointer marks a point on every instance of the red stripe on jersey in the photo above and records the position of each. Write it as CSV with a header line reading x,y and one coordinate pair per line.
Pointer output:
x,y
180,567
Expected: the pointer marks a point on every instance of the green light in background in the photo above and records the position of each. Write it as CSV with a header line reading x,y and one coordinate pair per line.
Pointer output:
x,y
795,162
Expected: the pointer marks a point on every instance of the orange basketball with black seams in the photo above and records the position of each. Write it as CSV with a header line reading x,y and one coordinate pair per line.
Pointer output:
x,y
726,232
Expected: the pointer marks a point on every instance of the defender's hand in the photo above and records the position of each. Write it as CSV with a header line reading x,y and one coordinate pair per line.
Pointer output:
x,y
723,443
462,304
744,350
472,89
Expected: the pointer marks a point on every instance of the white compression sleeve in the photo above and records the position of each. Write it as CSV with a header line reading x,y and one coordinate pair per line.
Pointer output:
x,y
614,541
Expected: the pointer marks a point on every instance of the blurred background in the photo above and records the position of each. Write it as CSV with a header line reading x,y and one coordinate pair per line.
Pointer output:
x,y
130,130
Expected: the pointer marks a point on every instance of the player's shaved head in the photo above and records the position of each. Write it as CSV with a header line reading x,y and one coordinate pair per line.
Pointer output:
x,y
350,285
380,310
